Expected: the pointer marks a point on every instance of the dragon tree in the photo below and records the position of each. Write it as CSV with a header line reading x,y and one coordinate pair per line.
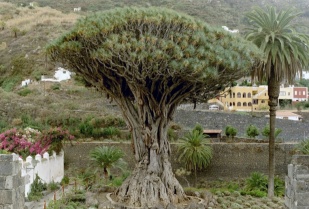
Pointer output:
x,y
150,60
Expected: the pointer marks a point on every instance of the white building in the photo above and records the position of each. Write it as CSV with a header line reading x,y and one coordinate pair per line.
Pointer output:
x,y
287,116
60,75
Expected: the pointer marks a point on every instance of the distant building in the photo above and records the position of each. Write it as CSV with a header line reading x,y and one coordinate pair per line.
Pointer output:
x,y
287,116
247,98
60,75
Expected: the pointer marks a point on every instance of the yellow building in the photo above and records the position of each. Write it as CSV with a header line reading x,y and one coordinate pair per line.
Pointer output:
x,y
245,98
250,98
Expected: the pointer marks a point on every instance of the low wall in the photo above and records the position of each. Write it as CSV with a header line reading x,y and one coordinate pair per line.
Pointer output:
x,y
230,160
12,184
297,183
48,168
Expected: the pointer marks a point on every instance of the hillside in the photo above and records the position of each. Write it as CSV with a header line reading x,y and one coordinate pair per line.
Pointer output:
x,y
25,30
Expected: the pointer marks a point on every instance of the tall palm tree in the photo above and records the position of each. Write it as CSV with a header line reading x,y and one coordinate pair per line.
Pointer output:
x,y
107,157
194,152
286,54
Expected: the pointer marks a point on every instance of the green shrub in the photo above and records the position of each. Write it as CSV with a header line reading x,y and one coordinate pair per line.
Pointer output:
x,y
257,184
279,186
37,187
198,127
230,131
110,131
256,181
56,86
86,128
266,131
9,83
257,193
252,131
24,92
65,180
303,147
53,186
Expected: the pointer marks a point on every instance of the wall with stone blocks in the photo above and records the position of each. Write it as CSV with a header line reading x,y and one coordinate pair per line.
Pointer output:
x,y
12,184
297,183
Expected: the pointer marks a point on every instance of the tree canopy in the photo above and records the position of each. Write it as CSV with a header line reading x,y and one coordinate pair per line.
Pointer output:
x,y
285,48
155,50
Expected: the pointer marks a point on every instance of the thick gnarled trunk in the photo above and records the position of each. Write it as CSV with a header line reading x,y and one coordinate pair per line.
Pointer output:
x,y
152,181
273,93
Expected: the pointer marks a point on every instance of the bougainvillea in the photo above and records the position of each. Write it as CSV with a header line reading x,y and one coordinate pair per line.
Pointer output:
x,y
31,142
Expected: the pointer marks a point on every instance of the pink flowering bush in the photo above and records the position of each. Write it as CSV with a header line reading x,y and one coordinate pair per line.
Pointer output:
x,y
55,138
31,142
13,141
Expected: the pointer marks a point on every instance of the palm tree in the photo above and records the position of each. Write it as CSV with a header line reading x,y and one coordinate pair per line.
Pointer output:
x,y
194,152
106,158
286,54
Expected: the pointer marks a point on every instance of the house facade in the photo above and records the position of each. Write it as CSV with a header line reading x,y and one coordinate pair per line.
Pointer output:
x,y
250,98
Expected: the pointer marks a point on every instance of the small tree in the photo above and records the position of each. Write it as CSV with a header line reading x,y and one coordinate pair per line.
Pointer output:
x,y
107,157
230,131
252,131
194,151
266,131
198,127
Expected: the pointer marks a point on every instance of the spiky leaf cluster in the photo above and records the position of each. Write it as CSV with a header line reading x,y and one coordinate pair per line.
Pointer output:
x,y
156,51
285,48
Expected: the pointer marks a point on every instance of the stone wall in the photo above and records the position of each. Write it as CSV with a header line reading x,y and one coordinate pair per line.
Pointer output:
x,y
297,183
12,185
230,160
291,130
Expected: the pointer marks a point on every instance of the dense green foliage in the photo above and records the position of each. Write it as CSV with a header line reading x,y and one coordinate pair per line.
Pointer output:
x,y
194,151
252,131
149,48
303,147
266,131
230,131
37,187
285,48
107,157
257,185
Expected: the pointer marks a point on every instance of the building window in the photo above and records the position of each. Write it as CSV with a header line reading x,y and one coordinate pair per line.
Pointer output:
x,y
255,101
289,94
282,93
238,104
249,95
263,101
244,95
244,104
304,93
295,92
233,103
238,95
230,103
233,94
249,104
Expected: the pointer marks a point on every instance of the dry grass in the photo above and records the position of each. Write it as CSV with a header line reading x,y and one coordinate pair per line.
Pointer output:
x,y
27,19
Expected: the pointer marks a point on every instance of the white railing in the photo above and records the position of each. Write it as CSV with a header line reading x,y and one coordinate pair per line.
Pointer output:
x,y
48,168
